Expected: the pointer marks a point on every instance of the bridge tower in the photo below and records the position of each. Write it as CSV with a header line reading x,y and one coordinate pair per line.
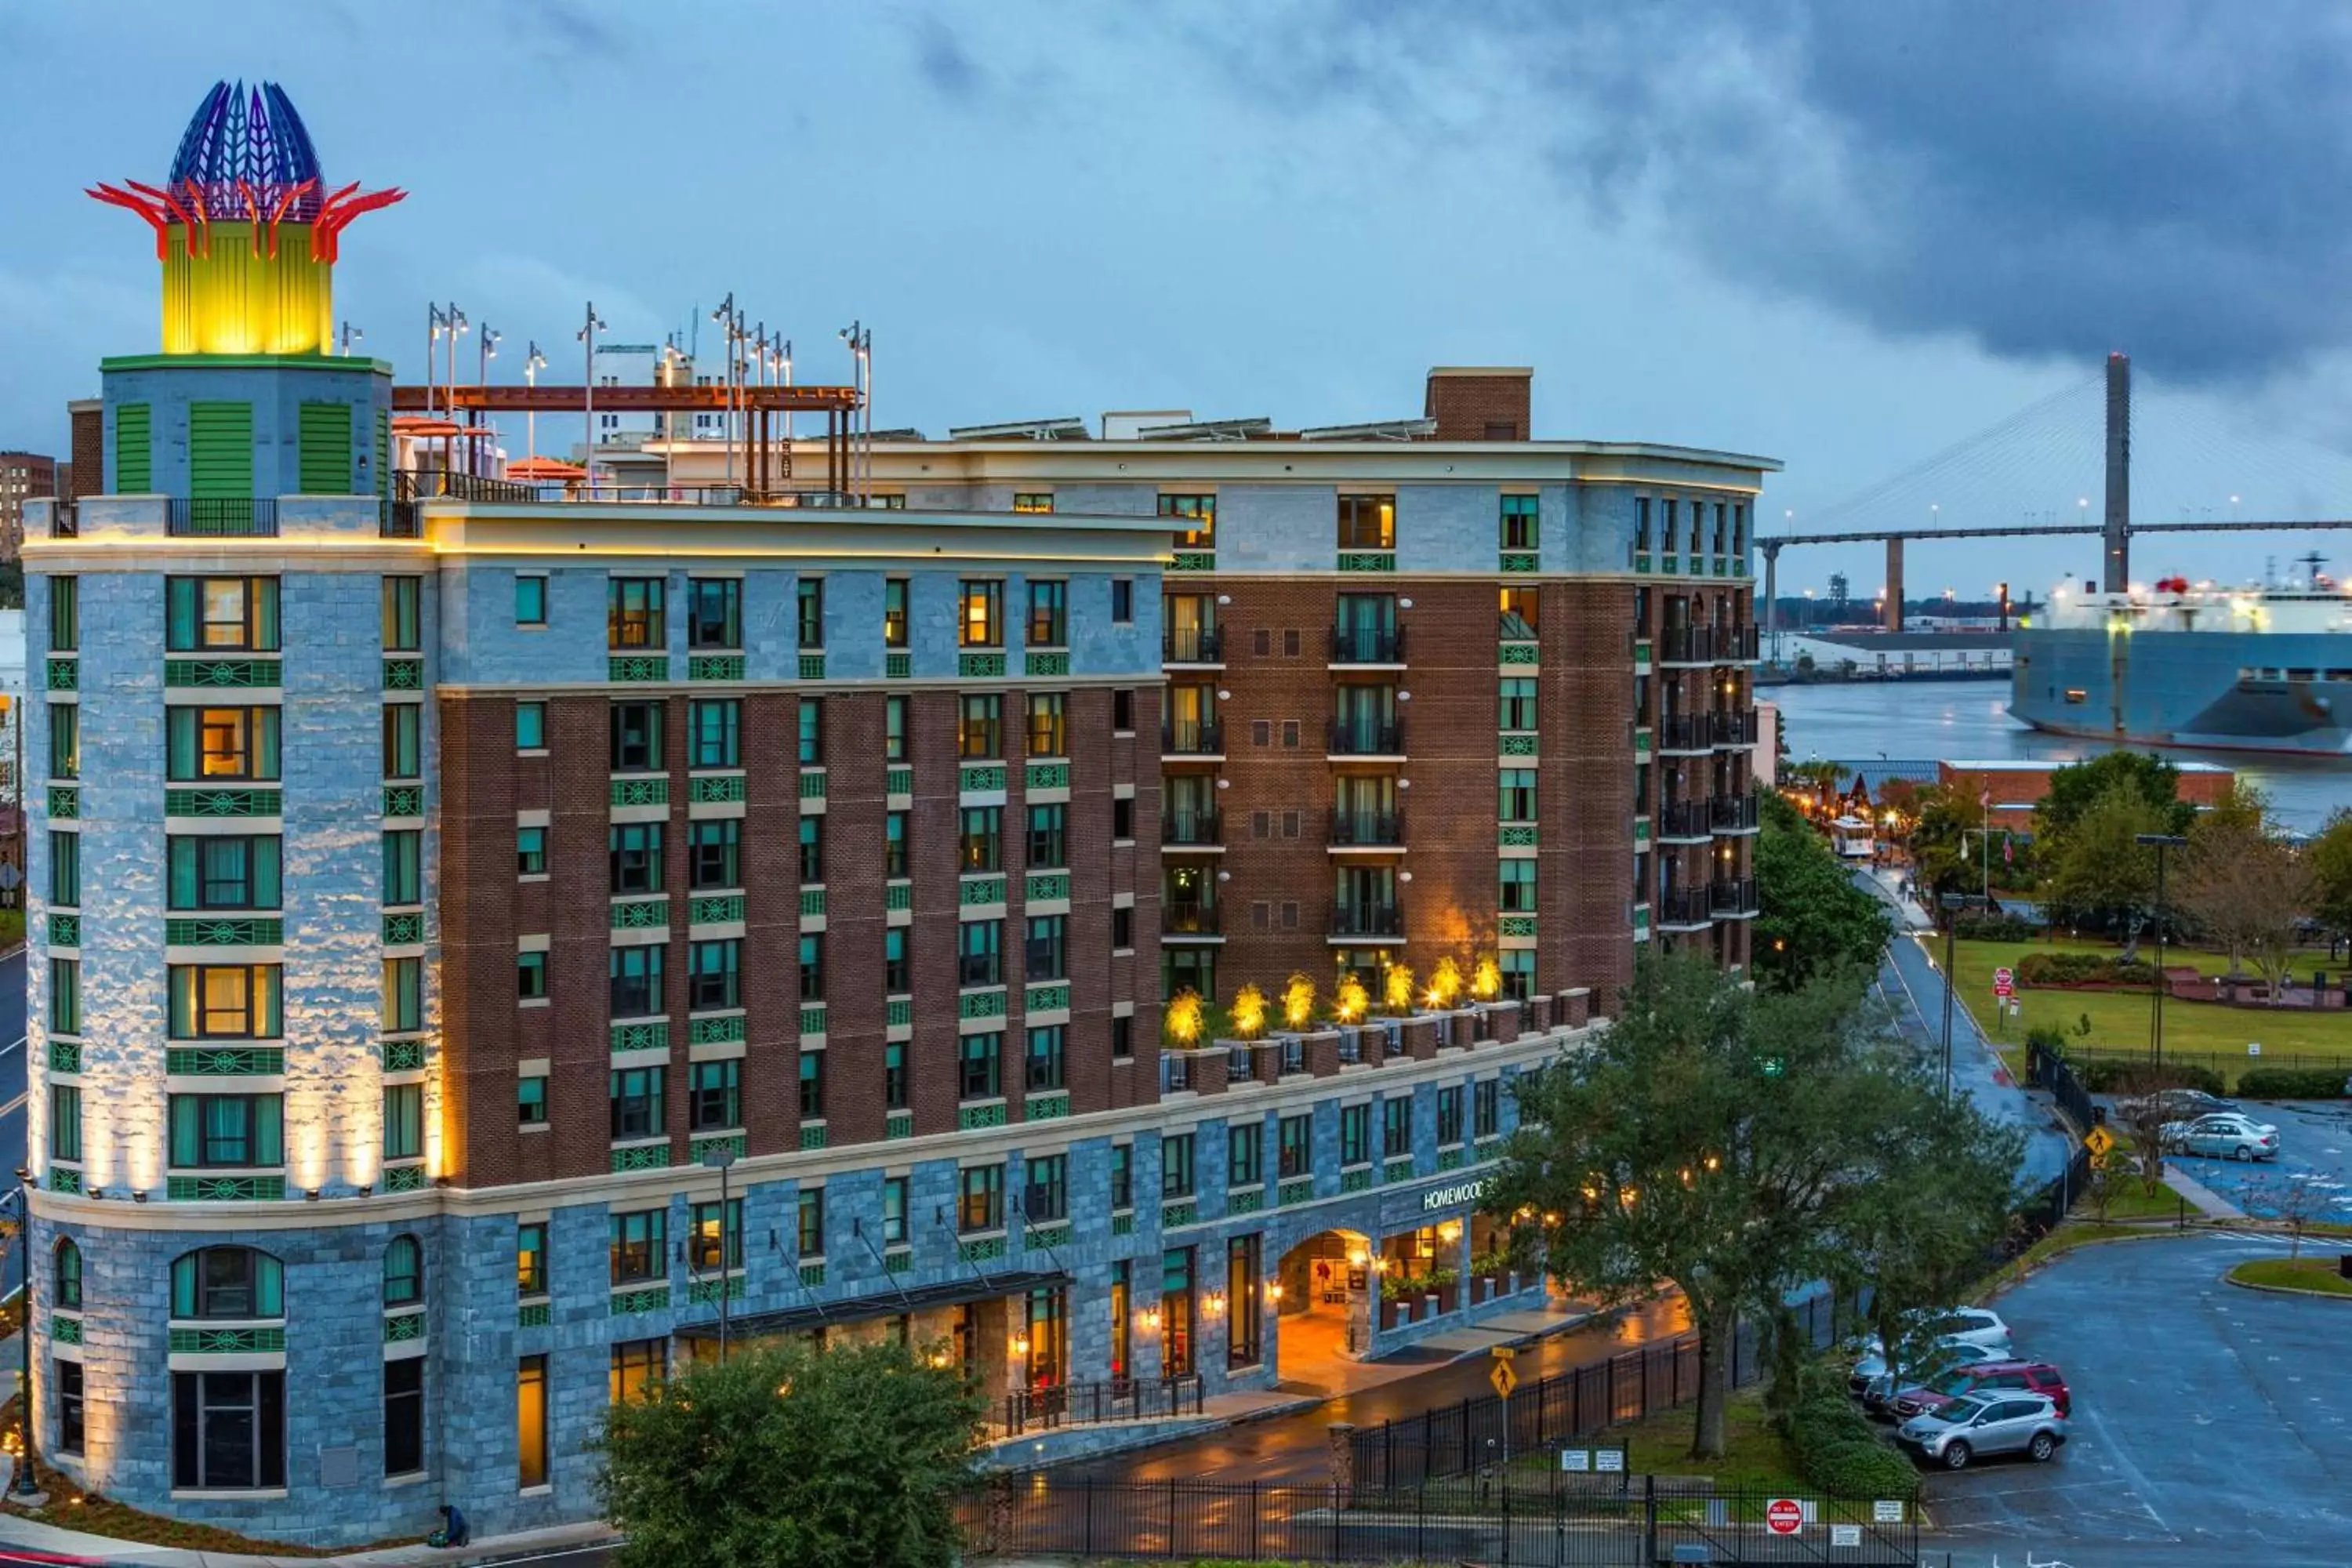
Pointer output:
x,y
2117,576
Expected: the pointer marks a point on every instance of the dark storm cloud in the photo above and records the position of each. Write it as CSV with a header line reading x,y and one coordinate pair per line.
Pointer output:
x,y
2160,176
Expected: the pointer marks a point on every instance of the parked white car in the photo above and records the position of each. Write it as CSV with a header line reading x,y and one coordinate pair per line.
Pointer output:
x,y
2226,1135
2026,1424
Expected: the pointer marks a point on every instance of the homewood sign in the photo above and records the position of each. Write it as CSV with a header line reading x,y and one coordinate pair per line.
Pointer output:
x,y
1460,1193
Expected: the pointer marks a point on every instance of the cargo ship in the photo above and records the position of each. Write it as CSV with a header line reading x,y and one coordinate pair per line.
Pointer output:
x,y
2254,669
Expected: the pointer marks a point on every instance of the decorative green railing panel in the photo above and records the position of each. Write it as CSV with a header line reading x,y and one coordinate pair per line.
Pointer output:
x,y
815,1136
899,895
899,1261
813,783
1397,1171
812,667
1122,1224
220,803
63,1179
404,675
812,902
1248,1200
987,1249
65,1330
736,1144
1048,1234
714,1031
1519,653
404,930
704,1291
237,672
813,1018
1488,1149
1046,886
1301,1191
722,909
1641,921
1367,561
65,1055
535,1315
1645,742
404,1329
225,1189
898,781
714,667
972,1118
65,802
1642,654
1670,563
899,1125
65,931
1047,998
1520,560
1172,1215
651,791
1520,836
267,932
980,1004
403,1178
978,666
65,675
227,1342
638,667
1194,560
1357,1179
1450,1159
1048,775
404,800
643,1157
629,1303
713,790
981,779
899,665
404,1056
1037,664
1516,746
1516,925
980,892
898,1010
1642,560
1046,1107
641,914
224,1061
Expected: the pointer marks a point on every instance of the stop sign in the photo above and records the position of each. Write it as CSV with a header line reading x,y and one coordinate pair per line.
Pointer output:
x,y
1784,1516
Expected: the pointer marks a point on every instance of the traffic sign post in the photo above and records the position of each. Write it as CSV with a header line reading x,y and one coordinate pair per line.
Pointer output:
x,y
2101,1143
1504,1379
1784,1516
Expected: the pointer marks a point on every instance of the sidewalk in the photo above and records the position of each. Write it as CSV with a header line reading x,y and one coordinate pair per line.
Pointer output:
x,y
2201,1199
32,1535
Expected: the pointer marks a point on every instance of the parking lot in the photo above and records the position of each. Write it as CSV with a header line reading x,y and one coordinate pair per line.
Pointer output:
x,y
2211,1423
2314,1145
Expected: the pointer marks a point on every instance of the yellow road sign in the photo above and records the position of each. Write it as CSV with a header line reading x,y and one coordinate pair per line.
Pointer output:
x,y
2099,1142
1503,1378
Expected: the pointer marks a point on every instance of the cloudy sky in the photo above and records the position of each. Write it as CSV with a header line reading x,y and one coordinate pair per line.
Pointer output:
x,y
1848,236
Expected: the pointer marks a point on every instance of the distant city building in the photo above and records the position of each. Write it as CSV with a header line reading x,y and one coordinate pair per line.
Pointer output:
x,y
23,476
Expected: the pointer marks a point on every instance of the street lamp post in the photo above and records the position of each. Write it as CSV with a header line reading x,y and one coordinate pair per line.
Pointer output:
x,y
533,363
2160,842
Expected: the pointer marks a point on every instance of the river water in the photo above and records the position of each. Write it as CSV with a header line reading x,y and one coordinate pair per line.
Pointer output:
x,y
1968,720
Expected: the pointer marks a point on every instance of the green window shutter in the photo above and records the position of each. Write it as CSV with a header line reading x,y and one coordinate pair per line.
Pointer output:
x,y
184,1268
269,1287
383,453
264,743
264,614
187,1147
183,1024
265,895
268,1139
134,449
184,873
179,613
220,449
178,742
326,456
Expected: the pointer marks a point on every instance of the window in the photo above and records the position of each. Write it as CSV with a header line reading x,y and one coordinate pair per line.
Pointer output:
x,y
979,722
809,1213
1516,893
1122,929
1368,522
1048,614
221,615
65,740
402,740
531,1259
714,853
980,619
235,1283
1244,1155
635,977
206,744
1123,1175
634,857
632,614
714,733
404,865
980,1196
1486,1108
714,1237
812,1072
1515,703
1122,601
1176,1165
898,971
1048,1197
812,833
894,1076
530,852
225,1002
65,1122
1516,799
894,612
530,726
636,737
979,957
530,1422
402,631
1519,973
1044,955
1122,711
1033,501
640,1246
714,615
894,1210
1241,1290
713,974
980,1069
65,869
812,731
1200,513
531,1102
404,1120
981,848
1048,729
894,729
637,1368
1396,1128
894,844
808,597
228,1430
1354,1135
65,615
1519,522
1122,1038
1516,618
1449,1115
1048,846
1044,1067
1295,1146
636,1102
65,1380
65,996
1641,523
1122,818
813,966
404,1272
531,599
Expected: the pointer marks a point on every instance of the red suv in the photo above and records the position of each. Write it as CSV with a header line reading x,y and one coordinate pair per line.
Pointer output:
x,y
1983,1378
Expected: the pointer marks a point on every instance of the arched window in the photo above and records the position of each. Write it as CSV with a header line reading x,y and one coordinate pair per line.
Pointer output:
x,y
228,1282
404,1272
69,1276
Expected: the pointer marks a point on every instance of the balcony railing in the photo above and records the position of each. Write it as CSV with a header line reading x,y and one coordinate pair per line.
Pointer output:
x,y
1367,738
1192,920
1735,729
400,519
1732,813
1367,829
1366,645
221,517
1684,819
1185,825
1683,907
64,519
1734,896
1083,1404
1735,644
430,484
1685,645
1193,645
1685,732
1191,738
1367,919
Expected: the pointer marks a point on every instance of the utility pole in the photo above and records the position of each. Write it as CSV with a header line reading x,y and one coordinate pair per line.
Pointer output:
x,y
2116,520
2160,842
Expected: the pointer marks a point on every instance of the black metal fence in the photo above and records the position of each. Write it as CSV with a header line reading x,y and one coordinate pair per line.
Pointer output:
x,y
1530,1518
1121,1399
2047,1069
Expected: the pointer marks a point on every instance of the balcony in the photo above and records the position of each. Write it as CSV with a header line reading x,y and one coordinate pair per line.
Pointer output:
x,y
1685,821
1735,644
1687,734
1734,898
221,517
1685,645
1193,645
1185,825
1366,645
1684,908
1734,728
1367,923
1367,830
1192,923
1367,738
1192,738
1734,812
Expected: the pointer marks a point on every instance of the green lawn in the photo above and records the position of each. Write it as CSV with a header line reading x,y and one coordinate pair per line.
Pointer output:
x,y
2296,1274
1756,1458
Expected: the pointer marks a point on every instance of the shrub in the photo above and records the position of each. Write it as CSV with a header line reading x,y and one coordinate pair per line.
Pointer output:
x,y
2108,1075
2294,1083
1996,928
2082,968
1839,1453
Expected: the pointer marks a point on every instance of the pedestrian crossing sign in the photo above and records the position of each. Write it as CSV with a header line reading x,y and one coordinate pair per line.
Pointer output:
x,y
1503,1378
2101,1143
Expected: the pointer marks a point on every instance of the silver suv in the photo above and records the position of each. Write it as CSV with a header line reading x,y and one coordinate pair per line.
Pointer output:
x,y
2005,1423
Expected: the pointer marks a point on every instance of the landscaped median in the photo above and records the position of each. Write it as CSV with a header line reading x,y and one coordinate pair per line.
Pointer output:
x,y
2296,1275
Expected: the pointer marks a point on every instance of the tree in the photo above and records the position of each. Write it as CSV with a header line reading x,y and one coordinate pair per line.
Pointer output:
x,y
1812,919
1719,1139
1945,815
2101,875
793,1457
2247,892
2330,857
2075,788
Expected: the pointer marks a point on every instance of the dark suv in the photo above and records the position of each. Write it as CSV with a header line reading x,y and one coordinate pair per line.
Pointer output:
x,y
1985,1379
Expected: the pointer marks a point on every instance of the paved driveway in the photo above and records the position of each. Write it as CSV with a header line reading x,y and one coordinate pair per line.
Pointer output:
x,y
2315,1146
2212,1424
